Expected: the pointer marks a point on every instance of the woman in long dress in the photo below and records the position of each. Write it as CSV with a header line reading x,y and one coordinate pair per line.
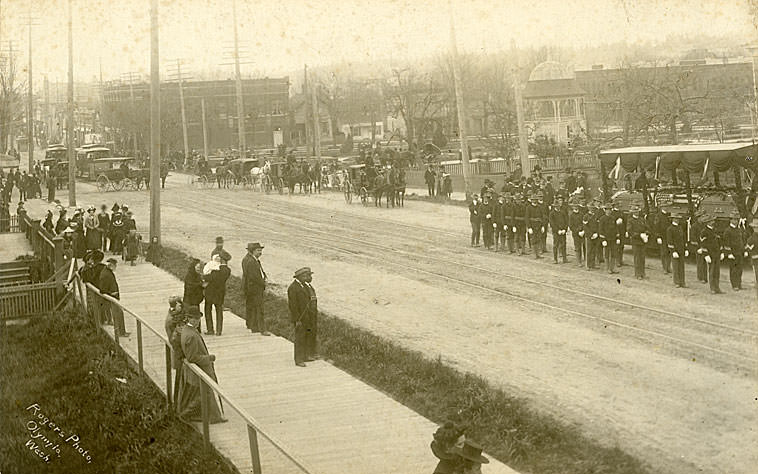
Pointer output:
x,y
193,284
117,233
91,225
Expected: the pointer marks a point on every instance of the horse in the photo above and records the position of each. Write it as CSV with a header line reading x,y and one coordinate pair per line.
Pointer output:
x,y
399,195
295,177
383,185
256,177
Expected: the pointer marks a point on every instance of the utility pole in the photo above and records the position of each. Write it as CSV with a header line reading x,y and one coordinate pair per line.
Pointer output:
x,y
48,122
180,79
205,130
460,105
523,145
240,104
134,113
30,117
155,126
307,110
754,113
70,113
102,103
316,124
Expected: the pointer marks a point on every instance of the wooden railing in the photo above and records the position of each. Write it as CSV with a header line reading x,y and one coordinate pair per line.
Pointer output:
x,y
9,224
95,304
48,248
23,301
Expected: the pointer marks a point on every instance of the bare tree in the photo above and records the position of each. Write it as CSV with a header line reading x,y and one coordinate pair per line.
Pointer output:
x,y
11,110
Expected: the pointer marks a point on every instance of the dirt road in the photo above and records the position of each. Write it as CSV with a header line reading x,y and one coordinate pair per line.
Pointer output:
x,y
673,382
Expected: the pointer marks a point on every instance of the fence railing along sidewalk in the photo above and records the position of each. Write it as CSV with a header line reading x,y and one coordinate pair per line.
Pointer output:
x,y
95,305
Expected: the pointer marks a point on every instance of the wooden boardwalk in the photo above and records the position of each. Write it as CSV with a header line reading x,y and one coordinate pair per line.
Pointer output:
x,y
332,421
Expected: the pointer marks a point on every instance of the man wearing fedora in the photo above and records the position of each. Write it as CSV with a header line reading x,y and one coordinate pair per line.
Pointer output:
x,y
471,453
254,284
303,307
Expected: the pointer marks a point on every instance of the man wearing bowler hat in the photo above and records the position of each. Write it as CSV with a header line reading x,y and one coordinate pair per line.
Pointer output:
x,y
253,284
219,250
303,307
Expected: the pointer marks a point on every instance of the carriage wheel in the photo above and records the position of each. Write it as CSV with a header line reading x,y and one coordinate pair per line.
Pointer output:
x,y
281,186
245,182
348,193
364,196
118,185
102,183
138,183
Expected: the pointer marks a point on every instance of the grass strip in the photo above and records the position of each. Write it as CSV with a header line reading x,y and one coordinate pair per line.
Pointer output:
x,y
58,370
507,427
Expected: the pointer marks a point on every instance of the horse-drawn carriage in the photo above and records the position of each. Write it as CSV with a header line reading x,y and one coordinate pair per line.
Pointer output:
x,y
273,177
118,177
367,182
246,172
216,170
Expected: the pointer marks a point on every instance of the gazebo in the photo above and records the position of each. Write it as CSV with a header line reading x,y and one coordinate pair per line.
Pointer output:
x,y
554,103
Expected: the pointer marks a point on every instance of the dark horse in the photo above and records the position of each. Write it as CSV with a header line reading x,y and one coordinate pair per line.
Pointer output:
x,y
296,177
399,181
384,186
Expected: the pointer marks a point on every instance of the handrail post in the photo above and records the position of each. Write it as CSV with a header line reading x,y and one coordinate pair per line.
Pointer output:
x,y
139,348
169,388
58,241
255,454
204,400
115,324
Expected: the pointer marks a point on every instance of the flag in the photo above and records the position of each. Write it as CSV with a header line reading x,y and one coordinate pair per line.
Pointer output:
x,y
615,170
657,165
705,168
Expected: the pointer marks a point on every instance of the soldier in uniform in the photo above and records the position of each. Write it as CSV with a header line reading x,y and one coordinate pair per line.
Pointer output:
x,y
751,251
638,235
662,224
509,222
559,222
498,234
577,233
476,220
694,242
545,211
710,249
676,244
487,212
591,235
609,238
621,224
519,221
733,248
534,225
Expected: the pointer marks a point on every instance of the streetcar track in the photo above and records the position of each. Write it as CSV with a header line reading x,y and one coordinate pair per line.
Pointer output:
x,y
384,248
318,244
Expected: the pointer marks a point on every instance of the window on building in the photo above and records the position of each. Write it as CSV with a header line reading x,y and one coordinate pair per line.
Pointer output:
x,y
276,107
545,110
567,108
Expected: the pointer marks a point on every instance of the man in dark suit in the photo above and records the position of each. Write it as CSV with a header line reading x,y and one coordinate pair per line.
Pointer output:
x,y
678,249
214,296
254,283
475,218
109,286
303,307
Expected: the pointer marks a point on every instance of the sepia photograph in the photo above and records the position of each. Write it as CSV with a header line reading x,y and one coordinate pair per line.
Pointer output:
x,y
359,237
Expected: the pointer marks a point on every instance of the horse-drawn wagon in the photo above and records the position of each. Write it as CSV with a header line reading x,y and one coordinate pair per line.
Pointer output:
x,y
115,173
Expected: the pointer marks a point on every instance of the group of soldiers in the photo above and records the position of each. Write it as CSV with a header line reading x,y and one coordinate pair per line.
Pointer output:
x,y
512,220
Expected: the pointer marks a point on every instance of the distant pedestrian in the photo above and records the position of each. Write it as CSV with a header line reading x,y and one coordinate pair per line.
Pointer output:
x,y
475,219
132,246
154,253
429,179
193,284
253,285
303,309
109,286
215,292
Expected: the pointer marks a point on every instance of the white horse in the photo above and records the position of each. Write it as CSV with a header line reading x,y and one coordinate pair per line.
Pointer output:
x,y
256,178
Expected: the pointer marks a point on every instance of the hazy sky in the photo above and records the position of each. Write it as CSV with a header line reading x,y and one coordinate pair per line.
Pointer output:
x,y
281,35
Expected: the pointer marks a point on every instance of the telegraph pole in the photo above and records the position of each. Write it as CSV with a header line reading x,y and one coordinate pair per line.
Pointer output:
x,y
30,119
523,145
134,112
205,129
460,106
307,106
316,124
240,104
180,79
48,122
70,113
155,126
754,113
